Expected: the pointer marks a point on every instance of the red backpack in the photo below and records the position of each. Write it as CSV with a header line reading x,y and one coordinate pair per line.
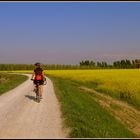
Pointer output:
x,y
38,73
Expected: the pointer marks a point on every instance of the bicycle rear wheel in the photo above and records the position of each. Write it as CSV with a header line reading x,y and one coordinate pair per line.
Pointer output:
x,y
38,96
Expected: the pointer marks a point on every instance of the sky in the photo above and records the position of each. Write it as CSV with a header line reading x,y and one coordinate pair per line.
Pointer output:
x,y
68,32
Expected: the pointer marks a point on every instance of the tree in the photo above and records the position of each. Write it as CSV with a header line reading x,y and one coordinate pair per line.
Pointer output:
x,y
137,61
92,63
128,63
99,64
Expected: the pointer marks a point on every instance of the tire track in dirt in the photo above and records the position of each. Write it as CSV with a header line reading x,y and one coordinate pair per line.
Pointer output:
x,y
125,113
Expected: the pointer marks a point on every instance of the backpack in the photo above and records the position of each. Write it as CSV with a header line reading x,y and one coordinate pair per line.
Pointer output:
x,y
38,73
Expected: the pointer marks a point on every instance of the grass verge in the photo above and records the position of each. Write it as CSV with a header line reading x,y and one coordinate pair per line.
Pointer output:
x,y
10,81
84,116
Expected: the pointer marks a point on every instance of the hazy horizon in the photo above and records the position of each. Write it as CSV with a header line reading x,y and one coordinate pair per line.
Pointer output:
x,y
68,32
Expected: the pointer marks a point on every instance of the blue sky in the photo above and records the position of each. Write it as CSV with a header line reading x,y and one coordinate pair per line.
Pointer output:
x,y
68,32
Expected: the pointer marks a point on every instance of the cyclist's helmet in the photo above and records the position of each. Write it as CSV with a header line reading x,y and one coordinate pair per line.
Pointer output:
x,y
37,64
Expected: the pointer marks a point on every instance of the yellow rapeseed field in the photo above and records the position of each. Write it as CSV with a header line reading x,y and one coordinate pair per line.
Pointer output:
x,y
122,80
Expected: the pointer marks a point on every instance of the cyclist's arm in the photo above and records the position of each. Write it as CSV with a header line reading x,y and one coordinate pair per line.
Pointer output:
x,y
43,73
33,75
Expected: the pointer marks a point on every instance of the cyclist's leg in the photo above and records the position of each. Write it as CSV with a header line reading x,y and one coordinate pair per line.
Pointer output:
x,y
41,90
40,87
42,84
35,85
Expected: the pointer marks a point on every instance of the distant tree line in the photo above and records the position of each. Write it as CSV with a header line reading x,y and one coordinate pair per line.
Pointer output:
x,y
86,64
11,67
122,64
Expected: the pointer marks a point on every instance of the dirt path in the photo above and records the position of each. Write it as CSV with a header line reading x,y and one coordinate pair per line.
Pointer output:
x,y
125,113
22,117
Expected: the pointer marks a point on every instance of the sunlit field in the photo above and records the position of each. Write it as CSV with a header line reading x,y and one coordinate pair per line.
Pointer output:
x,y
120,83
82,111
123,84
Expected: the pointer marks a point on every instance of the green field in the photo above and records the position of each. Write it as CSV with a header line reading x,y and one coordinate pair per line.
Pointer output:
x,y
83,114
91,115
10,81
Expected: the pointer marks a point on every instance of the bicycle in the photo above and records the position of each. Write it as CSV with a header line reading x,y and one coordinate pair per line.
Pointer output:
x,y
37,91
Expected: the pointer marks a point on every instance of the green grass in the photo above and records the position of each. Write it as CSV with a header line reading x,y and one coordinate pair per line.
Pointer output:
x,y
10,81
83,115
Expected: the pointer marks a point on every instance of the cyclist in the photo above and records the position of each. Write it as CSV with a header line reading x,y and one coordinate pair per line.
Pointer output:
x,y
39,75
